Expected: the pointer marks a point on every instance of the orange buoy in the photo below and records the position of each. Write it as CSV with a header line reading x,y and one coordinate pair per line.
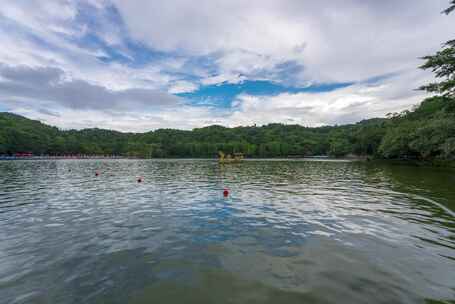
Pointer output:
x,y
226,193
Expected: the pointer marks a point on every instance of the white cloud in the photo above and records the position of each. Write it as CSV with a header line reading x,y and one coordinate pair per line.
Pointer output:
x,y
347,105
34,33
182,117
182,86
335,40
214,42
228,78
51,85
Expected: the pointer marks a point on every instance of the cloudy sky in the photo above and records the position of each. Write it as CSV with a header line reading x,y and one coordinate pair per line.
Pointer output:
x,y
137,65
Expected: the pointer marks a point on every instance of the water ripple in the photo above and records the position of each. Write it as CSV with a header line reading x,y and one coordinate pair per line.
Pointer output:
x,y
297,230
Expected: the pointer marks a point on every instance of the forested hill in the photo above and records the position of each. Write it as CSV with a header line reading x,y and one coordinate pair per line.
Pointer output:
x,y
427,132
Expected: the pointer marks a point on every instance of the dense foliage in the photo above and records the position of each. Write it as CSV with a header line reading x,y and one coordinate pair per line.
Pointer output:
x,y
428,132
451,8
442,64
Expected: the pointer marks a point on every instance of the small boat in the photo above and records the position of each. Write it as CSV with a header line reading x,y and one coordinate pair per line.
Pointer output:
x,y
229,159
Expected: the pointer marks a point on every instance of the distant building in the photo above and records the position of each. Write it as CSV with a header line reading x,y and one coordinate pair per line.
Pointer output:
x,y
23,154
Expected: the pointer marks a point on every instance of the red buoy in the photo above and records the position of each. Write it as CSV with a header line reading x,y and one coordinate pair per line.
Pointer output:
x,y
226,193
139,180
97,173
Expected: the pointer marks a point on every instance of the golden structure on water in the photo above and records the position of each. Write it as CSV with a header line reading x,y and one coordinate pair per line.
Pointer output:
x,y
229,159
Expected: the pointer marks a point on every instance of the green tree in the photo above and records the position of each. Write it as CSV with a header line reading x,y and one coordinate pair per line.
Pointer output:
x,y
448,148
431,139
443,65
3,145
395,143
339,144
450,8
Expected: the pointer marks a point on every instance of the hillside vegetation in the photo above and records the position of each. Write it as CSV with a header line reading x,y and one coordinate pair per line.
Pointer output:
x,y
427,132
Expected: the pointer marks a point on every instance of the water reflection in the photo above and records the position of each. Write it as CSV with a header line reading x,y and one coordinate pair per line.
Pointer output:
x,y
291,231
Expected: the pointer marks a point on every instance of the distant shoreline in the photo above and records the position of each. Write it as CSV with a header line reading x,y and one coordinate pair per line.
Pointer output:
x,y
314,158
450,164
423,136
62,157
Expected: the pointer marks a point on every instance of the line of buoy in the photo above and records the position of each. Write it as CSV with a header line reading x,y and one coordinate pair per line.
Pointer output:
x,y
140,179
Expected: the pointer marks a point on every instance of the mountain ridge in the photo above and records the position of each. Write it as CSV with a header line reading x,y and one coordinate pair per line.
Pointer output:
x,y
426,132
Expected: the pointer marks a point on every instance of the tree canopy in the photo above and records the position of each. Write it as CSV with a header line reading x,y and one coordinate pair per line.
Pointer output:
x,y
451,8
427,132
443,65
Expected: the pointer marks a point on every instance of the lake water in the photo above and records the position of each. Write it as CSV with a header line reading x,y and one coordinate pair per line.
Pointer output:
x,y
289,232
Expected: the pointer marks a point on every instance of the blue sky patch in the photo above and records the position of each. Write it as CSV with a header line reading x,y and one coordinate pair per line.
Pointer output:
x,y
222,95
